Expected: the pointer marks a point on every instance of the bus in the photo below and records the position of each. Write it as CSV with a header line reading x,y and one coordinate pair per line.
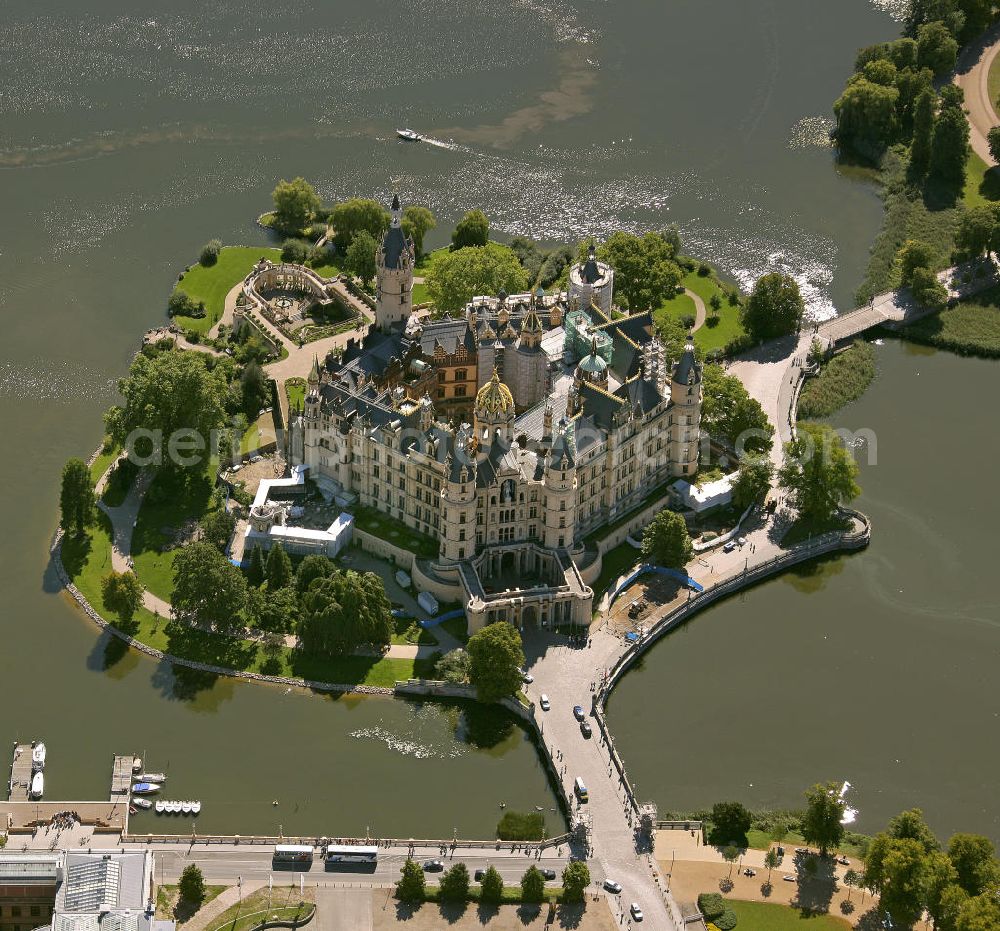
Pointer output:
x,y
580,789
356,856
296,854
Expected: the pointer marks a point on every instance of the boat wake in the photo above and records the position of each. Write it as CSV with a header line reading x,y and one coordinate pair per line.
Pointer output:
x,y
404,745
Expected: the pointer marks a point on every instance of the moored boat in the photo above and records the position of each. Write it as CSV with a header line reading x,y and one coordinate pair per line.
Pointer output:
x,y
150,777
38,756
195,807
409,135
142,803
145,788
37,785
186,808
160,806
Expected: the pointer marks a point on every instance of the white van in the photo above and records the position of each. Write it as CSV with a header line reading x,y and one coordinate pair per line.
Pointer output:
x,y
544,702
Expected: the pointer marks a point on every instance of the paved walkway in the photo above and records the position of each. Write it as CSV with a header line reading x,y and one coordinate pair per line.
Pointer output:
x,y
700,313
973,75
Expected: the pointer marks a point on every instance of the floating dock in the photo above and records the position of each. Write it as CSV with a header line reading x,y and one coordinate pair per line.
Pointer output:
x,y
20,774
121,777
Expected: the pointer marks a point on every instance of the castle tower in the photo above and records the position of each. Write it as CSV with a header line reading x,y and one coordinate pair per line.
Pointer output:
x,y
560,484
311,419
592,370
685,414
394,273
458,499
494,412
592,283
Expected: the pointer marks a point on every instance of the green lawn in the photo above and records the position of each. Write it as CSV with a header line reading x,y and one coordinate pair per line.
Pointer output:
x,y
285,904
88,560
982,181
765,916
994,80
395,532
167,506
708,337
211,284
100,465
295,389
407,631
420,295
616,563
969,328
761,840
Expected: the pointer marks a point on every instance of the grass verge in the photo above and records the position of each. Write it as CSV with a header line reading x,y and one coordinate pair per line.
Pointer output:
x,y
970,328
841,380
169,904
768,916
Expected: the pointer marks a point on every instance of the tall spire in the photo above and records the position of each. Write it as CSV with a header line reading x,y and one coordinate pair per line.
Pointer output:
x,y
397,212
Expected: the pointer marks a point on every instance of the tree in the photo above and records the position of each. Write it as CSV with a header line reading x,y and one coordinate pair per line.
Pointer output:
x,y
208,589
122,593
311,568
821,824
993,140
255,390
950,147
411,885
730,853
911,825
455,884
417,223
217,527
852,879
774,308
279,568
645,271
819,472
210,252
532,885
728,413
294,251
295,205
76,498
492,886
771,861
472,230
360,257
923,131
167,394
753,479
979,914
453,666
937,48
898,870
975,862
927,289
255,571
866,117
913,254
731,821
975,231
575,879
495,659
456,278
273,610
356,215
666,540
192,884
344,611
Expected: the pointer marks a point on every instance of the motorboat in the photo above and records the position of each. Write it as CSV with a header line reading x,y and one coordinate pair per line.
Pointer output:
x,y
174,808
186,808
195,808
136,764
160,806
145,788
38,756
142,803
150,777
409,135
37,785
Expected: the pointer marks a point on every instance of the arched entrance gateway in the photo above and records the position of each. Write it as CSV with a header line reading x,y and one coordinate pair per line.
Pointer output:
x,y
529,616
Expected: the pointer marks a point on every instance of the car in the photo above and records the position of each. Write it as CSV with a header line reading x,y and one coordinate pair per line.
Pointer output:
x,y
549,874
433,866
544,702
728,546
578,712
586,729
636,911
478,875
612,886
843,861
527,678
788,879
741,542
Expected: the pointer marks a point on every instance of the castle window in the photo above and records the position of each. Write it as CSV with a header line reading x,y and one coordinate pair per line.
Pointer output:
x,y
461,518
461,536
460,391
461,375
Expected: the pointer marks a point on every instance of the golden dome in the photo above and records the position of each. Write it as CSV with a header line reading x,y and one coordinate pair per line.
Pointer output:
x,y
495,397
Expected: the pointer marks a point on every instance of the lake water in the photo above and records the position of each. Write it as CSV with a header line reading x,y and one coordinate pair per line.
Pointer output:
x,y
876,668
131,133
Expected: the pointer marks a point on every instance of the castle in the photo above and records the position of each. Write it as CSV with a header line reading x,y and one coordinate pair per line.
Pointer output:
x,y
506,436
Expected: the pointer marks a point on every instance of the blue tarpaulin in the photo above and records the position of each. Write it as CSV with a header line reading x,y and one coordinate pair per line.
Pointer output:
x,y
434,621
